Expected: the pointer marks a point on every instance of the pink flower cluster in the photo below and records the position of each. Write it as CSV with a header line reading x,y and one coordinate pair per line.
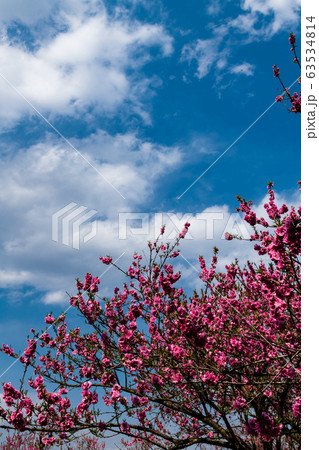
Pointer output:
x,y
276,70
264,428
184,230
292,39
106,260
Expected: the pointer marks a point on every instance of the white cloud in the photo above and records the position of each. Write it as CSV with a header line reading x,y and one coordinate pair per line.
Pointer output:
x,y
285,12
43,178
26,11
51,13
244,68
55,173
214,8
259,19
85,65
2,405
55,297
206,52
12,277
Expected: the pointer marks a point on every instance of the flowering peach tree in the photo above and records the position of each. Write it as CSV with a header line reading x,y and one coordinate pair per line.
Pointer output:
x,y
220,367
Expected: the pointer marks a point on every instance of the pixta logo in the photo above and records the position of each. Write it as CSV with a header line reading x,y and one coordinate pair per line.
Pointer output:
x,y
68,222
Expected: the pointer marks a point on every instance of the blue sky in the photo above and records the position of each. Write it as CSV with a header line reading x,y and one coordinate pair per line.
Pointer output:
x,y
150,93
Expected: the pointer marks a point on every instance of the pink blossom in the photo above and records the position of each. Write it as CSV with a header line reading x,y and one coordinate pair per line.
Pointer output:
x,y
141,416
239,403
42,419
184,231
106,260
49,319
292,39
125,427
296,407
17,420
276,71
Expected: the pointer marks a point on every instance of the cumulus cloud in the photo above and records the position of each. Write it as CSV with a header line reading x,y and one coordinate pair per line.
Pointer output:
x,y
91,62
50,173
11,277
42,179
